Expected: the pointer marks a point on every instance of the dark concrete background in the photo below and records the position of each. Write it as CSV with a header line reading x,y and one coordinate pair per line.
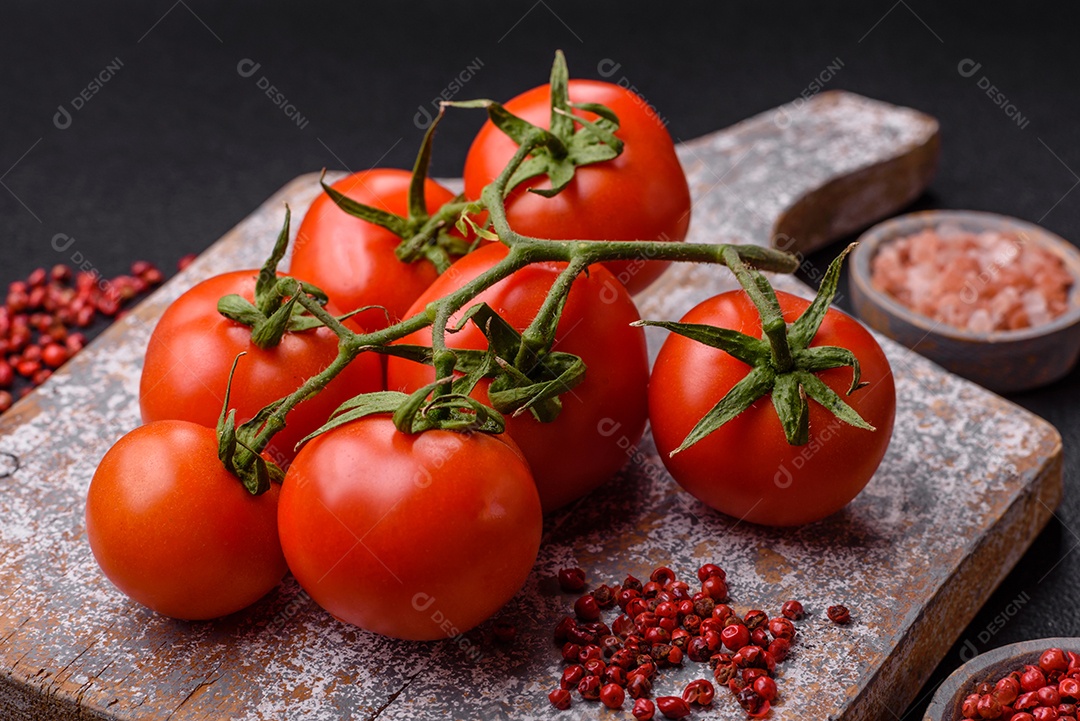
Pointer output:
x,y
176,146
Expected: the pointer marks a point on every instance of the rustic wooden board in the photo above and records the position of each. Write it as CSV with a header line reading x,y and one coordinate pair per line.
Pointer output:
x,y
968,482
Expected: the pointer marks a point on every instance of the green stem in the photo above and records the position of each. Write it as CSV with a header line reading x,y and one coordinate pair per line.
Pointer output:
x,y
764,299
443,359
417,205
500,186
523,251
352,344
540,335
421,242
325,317
532,250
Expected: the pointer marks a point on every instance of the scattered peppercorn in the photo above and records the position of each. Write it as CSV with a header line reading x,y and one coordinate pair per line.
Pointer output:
x,y
644,709
604,596
792,610
586,608
839,614
673,707
659,624
612,695
699,692
560,698
735,636
781,628
715,588
589,688
765,687
572,580
40,313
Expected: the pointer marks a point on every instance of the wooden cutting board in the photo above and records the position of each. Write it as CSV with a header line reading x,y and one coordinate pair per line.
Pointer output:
x,y
968,482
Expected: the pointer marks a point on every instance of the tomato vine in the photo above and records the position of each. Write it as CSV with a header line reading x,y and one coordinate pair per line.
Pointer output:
x,y
448,406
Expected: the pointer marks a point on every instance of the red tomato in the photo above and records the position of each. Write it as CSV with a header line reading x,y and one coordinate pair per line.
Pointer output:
x,y
640,195
191,351
603,417
417,537
353,260
746,468
175,531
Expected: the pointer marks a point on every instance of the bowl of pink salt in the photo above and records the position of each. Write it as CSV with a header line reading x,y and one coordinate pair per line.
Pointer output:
x,y
991,298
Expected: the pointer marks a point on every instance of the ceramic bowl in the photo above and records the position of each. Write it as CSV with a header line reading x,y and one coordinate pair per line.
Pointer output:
x,y
988,667
1003,361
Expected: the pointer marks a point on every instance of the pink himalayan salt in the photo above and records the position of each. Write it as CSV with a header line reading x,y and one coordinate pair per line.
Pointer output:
x,y
981,282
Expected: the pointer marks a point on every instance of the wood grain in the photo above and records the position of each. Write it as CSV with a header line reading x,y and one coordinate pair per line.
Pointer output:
x,y
968,482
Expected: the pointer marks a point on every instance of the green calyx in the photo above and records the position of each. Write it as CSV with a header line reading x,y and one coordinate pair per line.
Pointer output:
x,y
782,362
416,412
238,457
524,378
423,236
558,151
275,310
521,381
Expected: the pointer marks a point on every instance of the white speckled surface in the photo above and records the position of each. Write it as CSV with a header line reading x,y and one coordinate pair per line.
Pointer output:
x,y
967,483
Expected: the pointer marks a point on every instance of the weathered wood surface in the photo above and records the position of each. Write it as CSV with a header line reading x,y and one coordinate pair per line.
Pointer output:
x,y
968,482
802,175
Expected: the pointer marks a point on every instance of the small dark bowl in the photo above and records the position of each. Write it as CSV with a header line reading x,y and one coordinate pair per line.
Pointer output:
x,y
988,667
1003,361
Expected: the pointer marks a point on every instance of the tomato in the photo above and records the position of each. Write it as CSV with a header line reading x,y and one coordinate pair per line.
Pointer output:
x,y
603,417
640,195
746,468
175,531
417,537
353,260
191,351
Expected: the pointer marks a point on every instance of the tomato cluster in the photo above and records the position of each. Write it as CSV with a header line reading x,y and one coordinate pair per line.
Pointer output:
x,y
397,513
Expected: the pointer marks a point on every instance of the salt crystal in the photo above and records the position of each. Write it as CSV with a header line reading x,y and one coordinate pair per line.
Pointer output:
x,y
924,247
980,321
1005,303
982,281
950,230
920,289
1035,307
